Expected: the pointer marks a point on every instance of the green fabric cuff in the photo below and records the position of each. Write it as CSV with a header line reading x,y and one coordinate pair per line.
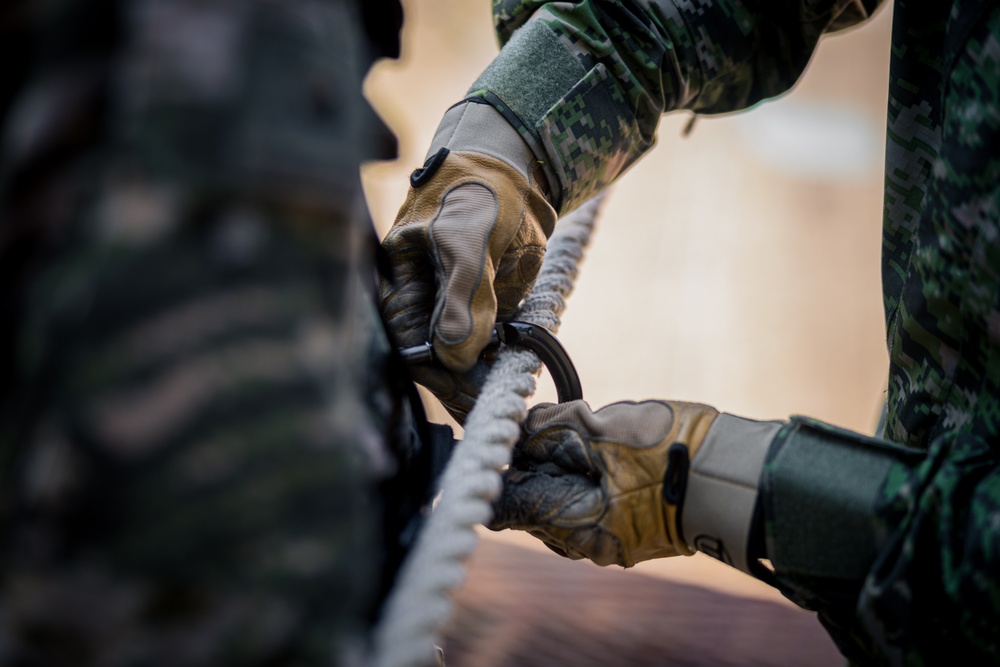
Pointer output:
x,y
578,122
819,487
533,72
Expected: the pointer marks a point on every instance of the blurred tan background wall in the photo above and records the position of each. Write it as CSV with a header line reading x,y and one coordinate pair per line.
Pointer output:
x,y
738,266
718,273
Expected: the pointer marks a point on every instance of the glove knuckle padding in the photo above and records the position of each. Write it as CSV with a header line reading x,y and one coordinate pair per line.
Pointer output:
x,y
565,447
459,235
487,240
638,425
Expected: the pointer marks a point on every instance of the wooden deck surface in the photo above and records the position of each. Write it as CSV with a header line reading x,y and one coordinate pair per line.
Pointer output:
x,y
522,607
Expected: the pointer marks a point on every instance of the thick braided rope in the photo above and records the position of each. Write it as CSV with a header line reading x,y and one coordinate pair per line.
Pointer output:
x,y
422,599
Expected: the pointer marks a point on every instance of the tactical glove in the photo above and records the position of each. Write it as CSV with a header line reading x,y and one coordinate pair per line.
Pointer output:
x,y
635,481
465,248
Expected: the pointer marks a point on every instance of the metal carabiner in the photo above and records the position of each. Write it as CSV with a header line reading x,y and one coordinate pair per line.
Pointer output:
x,y
533,337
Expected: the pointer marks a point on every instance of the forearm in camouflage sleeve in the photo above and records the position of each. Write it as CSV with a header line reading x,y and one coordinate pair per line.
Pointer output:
x,y
896,549
586,82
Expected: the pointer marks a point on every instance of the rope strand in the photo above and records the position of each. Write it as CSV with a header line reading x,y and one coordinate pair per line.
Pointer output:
x,y
421,601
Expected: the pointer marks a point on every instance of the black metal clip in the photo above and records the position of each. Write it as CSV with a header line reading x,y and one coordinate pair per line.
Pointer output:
x,y
536,338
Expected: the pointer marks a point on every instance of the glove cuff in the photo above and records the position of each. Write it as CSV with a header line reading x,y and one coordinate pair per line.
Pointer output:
x,y
479,128
722,486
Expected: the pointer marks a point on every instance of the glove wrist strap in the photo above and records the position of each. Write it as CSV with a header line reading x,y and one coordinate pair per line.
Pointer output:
x,y
718,509
479,128
675,481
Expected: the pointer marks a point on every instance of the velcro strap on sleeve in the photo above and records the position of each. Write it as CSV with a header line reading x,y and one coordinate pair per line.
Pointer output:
x,y
819,487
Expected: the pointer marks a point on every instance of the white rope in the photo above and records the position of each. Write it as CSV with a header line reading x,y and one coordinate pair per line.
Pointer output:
x,y
421,601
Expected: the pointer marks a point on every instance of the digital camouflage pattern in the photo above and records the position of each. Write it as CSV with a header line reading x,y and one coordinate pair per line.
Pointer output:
x,y
941,273
625,63
933,593
941,259
199,414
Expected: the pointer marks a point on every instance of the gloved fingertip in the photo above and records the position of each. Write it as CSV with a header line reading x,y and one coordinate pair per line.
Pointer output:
x,y
455,359
556,550
460,357
500,521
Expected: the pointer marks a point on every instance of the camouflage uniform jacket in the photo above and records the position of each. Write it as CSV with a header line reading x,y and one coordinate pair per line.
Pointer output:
x,y
207,451
612,68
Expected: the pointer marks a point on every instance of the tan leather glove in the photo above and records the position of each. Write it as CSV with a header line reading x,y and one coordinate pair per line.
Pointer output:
x,y
612,485
465,248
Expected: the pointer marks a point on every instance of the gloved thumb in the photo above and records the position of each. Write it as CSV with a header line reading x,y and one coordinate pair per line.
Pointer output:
x,y
466,306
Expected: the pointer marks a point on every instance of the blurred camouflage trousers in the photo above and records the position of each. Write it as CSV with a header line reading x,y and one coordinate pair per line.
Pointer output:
x,y
196,409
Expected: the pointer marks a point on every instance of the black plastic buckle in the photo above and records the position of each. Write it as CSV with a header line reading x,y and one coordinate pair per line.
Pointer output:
x,y
534,337
676,477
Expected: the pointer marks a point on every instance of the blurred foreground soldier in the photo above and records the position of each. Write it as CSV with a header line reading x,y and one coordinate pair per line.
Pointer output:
x,y
895,542
208,455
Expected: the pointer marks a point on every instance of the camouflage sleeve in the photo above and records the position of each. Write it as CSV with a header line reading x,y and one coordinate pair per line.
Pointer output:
x,y
895,548
612,68
198,421
933,591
